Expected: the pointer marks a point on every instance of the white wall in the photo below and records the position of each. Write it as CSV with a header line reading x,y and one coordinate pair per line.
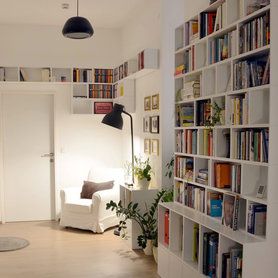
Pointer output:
x,y
82,141
143,31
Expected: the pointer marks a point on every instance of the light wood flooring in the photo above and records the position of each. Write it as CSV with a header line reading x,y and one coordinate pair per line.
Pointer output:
x,y
56,252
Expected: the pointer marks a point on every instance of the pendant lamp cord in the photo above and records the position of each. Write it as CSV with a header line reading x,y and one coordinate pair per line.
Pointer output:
x,y
77,7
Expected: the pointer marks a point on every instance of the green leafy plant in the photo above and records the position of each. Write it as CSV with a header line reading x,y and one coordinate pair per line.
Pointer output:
x,y
146,221
142,168
170,168
216,115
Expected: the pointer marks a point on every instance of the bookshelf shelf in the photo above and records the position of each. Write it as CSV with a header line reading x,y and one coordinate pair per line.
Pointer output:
x,y
226,115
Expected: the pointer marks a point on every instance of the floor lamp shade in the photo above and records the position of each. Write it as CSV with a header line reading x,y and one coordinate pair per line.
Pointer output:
x,y
114,118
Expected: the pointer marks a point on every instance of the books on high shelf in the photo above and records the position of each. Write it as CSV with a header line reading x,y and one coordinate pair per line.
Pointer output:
x,y
191,32
232,263
185,115
251,144
188,62
230,211
190,90
195,249
202,176
103,76
251,73
256,219
207,23
82,75
203,112
254,5
210,253
239,110
186,141
207,142
255,34
194,197
223,47
100,91
214,204
184,168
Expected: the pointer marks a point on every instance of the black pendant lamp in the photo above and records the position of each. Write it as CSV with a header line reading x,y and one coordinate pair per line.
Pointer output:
x,y
78,27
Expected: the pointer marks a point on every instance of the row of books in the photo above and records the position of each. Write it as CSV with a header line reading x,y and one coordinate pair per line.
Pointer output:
x,y
214,204
103,75
256,219
203,112
191,32
207,23
82,75
202,176
100,91
210,254
188,64
239,110
184,168
207,142
227,176
121,72
194,197
223,47
232,263
251,145
251,73
255,34
186,141
179,188
185,115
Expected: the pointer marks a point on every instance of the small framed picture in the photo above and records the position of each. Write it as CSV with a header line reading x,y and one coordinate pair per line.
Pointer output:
x,y
155,124
147,103
103,107
146,124
155,102
147,146
155,146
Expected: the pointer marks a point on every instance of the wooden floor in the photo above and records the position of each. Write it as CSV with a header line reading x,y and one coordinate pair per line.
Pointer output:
x,y
55,252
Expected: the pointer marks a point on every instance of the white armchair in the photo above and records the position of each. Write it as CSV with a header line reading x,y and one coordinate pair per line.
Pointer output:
x,y
91,214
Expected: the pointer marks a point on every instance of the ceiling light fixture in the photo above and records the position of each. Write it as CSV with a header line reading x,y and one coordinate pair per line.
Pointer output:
x,y
78,27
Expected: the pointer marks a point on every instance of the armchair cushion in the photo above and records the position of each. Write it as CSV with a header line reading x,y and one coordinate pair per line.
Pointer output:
x,y
89,188
80,206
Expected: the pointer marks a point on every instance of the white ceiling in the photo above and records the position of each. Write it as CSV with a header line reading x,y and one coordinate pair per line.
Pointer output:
x,y
101,13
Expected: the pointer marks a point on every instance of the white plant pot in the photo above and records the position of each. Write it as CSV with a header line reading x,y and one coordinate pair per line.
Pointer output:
x,y
148,250
143,184
155,251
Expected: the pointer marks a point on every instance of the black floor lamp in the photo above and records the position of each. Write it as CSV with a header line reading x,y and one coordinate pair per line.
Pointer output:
x,y
115,119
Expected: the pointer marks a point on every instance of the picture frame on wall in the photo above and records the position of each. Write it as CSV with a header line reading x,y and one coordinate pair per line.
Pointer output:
x,y
155,146
147,146
146,124
147,103
155,102
103,107
154,124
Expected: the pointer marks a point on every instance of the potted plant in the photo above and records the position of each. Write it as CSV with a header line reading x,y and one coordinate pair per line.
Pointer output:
x,y
147,221
142,171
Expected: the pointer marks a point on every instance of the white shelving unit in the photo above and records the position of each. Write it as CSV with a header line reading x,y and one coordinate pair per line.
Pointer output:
x,y
136,195
194,57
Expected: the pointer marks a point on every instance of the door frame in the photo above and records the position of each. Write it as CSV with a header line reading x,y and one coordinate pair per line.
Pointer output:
x,y
34,92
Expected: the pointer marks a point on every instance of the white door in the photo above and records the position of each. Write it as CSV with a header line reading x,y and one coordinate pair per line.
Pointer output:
x,y
28,171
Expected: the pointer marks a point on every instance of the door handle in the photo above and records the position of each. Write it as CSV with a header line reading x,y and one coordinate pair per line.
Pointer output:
x,y
48,155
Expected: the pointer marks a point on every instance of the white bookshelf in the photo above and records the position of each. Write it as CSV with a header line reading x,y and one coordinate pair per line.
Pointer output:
x,y
217,85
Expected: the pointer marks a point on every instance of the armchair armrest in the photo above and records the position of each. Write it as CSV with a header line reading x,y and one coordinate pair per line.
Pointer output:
x,y
70,193
100,199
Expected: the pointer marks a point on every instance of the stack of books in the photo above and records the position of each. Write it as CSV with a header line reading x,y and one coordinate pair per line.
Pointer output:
x,y
256,219
185,115
232,263
239,110
255,34
251,145
103,75
190,90
203,112
210,253
180,69
230,211
100,91
186,141
202,176
194,197
214,204
82,75
223,47
251,73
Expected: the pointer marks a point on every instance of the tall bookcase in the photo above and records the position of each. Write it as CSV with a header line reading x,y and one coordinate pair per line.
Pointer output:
x,y
217,225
